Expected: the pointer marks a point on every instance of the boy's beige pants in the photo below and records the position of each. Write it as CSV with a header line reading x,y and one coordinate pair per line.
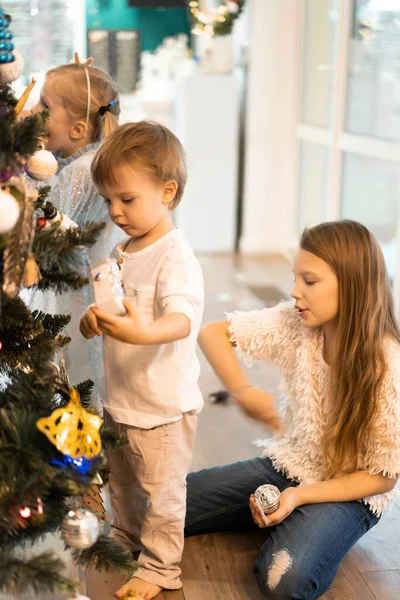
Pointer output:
x,y
148,495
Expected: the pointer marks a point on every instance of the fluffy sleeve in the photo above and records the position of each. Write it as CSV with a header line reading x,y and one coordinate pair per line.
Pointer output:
x,y
271,334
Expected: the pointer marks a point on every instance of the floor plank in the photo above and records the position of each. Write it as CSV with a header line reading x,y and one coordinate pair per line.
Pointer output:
x,y
349,584
384,584
379,550
219,566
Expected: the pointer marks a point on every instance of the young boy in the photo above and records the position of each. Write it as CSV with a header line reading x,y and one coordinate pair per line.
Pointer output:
x,y
151,369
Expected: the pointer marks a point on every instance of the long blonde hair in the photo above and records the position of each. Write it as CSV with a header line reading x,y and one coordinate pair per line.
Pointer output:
x,y
366,317
71,83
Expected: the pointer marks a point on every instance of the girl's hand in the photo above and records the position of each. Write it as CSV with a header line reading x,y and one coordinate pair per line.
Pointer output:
x,y
88,325
259,405
288,502
128,328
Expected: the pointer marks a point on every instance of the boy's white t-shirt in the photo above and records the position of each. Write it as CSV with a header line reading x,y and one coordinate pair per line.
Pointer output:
x,y
147,386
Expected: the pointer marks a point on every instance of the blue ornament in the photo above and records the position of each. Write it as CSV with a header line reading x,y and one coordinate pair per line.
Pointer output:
x,y
81,465
7,57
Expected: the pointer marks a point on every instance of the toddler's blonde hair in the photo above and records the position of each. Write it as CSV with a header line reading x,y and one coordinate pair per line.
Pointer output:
x,y
148,145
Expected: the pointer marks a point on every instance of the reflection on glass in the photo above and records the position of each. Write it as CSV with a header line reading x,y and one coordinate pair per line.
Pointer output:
x,y
313,172
374,70
321,18
371,193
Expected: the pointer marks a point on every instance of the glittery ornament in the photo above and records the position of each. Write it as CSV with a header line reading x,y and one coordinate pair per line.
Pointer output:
x,y
267,498
10,71
80,528
41,165
9,211
132,594
72,429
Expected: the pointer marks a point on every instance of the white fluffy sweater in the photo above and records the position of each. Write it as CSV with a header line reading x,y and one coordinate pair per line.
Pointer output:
x,y
279,336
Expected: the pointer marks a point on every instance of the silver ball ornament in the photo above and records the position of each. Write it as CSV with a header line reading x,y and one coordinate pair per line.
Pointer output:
x,y
267,497
9,211
10,71
80,528
79,597
41,165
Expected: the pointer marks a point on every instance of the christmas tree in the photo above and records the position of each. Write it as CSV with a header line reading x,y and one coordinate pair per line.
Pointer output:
x,y
51,444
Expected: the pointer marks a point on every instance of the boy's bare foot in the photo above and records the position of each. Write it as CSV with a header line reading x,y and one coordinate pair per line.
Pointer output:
x,y
143,589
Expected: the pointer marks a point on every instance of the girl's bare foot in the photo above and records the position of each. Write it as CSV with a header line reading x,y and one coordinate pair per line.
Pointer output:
x,y
143,589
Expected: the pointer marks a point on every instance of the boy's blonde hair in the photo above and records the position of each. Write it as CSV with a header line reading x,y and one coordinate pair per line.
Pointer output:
x,y
71,83
145,144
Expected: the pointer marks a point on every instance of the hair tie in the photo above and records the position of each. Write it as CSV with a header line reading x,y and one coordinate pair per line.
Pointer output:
x,y
104,109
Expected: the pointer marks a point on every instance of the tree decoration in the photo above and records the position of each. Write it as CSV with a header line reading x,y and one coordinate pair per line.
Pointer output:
x,y
19,248
217,21
9,211
73,430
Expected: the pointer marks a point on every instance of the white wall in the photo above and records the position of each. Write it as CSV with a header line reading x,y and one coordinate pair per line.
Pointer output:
x,y
270,124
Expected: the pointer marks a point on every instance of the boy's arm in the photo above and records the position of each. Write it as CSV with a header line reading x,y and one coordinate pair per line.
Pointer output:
x,y
129,328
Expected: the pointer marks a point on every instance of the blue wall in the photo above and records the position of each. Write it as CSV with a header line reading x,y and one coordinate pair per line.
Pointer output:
x,y
153,24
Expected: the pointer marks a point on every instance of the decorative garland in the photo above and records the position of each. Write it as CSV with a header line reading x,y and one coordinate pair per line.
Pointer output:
x,y
218,21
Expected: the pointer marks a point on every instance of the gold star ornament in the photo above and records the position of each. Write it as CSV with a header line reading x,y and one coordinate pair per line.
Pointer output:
x,y
72,429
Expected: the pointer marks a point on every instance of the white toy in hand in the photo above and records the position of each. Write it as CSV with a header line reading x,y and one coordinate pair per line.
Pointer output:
x,y
107,287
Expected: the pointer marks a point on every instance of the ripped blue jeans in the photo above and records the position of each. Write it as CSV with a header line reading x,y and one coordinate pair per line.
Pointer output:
x,y
301,555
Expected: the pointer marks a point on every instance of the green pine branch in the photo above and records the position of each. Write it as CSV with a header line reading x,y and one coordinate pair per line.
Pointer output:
x,y
85,389
60,283
41,573
106,554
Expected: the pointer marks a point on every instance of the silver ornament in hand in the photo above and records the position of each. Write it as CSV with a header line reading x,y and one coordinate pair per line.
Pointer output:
x,y
267,499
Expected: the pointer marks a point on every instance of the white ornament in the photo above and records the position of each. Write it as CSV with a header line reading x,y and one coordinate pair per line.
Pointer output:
x,y
79,597
233,7
42,165
80,528
9,211
10,72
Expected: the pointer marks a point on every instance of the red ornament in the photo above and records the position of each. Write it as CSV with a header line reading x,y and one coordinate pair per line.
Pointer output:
x,y
1,345
41,223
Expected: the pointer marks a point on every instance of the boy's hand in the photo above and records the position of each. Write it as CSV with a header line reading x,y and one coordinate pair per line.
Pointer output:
x,y
128,328
88,325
